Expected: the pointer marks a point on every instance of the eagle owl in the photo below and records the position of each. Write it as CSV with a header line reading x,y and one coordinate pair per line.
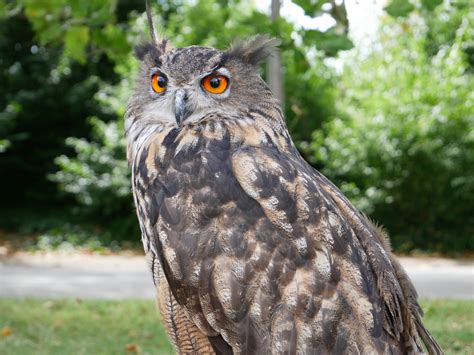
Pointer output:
x,y
252,250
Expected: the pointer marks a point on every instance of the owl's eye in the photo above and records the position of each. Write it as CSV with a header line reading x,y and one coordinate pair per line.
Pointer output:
x,y
215,84
158,83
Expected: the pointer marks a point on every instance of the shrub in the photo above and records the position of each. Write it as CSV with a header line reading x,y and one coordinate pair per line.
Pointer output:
x,y
402,146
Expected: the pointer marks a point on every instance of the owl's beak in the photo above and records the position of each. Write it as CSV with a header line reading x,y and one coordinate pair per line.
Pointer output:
x,y
181,107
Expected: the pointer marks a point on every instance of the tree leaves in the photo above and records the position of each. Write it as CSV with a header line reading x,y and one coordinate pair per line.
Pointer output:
x,y
402,8
75,43
399,8
77,24
310,7
399,147
330,41
112,41
430,5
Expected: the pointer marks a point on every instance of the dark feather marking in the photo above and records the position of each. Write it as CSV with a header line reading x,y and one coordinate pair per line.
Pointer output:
x,y
239,302
142,169
220,346
170,213
269,184
313,308
269,140
170,138
261,113
171,318
292,338
149,49
340,345
330,327
377,329
238,243
171,185
245,202
335,274
154,211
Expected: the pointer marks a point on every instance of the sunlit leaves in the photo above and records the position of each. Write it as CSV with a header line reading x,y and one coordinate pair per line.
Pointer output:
x,y
111,39
330,41
399,8
402,8
75,43
311,7
402,147
77,25
430,4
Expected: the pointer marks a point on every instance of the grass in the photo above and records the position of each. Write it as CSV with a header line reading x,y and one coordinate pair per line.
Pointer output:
x,y
452,324
81,327
121,327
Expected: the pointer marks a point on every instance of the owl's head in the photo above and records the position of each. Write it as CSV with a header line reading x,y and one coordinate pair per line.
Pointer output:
x,y
181,85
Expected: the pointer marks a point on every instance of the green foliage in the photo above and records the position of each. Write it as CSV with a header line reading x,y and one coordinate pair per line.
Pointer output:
x,y
82,25
443,23
402,147
402,8
430,4
75,43
311,7
41,103
56,55
98,174
399,8
330,41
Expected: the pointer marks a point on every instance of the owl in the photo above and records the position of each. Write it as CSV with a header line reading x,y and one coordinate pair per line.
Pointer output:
x,y
251,249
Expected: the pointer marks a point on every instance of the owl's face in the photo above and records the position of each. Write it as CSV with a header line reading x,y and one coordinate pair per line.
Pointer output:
x,y
183,85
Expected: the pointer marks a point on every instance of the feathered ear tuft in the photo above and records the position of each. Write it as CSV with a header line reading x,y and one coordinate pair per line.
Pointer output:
x,y
253,50
158,46
154,50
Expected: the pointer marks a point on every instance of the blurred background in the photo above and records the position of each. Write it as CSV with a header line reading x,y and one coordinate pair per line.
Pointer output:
x,y
378,95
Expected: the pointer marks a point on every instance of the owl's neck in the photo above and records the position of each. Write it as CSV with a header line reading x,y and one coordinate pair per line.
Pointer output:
x,y
254,128
137,134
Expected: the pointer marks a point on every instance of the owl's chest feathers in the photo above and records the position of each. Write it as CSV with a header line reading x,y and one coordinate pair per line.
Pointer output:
x,y
186,190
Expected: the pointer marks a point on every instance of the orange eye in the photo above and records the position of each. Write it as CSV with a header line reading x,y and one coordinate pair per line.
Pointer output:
x,y
158,83
215,84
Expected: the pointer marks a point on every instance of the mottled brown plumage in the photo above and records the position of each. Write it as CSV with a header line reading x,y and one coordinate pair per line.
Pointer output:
x,y
253,250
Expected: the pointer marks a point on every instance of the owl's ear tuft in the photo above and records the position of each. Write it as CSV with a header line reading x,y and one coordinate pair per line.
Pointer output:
x,y
253,50
142,50
154,51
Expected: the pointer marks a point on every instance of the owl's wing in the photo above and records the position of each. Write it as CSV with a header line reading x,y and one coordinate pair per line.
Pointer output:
x,y
315,216
183,333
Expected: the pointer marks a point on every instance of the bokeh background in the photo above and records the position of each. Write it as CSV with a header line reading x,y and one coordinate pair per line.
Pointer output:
x,y
378,95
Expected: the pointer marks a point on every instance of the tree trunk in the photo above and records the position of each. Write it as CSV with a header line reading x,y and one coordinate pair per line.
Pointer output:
x,y
274,72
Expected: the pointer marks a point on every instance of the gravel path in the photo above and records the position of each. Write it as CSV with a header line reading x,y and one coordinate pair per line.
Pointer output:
x,y
127,276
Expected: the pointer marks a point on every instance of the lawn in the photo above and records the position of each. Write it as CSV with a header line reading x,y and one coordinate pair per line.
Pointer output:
x,y
121,327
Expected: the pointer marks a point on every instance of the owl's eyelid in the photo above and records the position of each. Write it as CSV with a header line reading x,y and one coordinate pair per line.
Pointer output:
x,y
216,67
154,71
217,72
